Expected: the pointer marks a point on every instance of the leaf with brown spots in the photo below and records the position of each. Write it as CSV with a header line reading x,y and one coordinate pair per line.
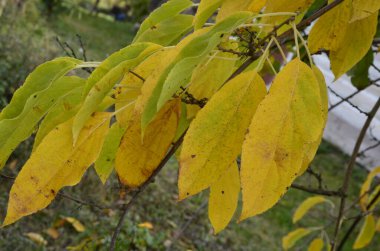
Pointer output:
x,y
54,165
215,136
138,155
289,118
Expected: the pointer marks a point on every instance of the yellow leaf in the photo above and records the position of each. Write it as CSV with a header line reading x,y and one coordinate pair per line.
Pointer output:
x,y
77,225
131,84
305,206
146,225
205,9
289,118
328,32
274,6
138,156
209,76
366,232
316,245
224,196
364,8
360,36
230,7
36,238
55,164
311,148
290,239
366,187
215,136
378,225
332,31
52,232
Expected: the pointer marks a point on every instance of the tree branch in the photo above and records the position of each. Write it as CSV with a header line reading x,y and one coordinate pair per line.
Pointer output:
x,y
350,167
318,191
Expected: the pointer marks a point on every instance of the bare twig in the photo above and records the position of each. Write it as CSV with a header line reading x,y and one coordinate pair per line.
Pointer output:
x,y
318,191
350,167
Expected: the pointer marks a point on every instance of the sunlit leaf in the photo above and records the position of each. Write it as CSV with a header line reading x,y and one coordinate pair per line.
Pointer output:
x,y
106,160
366,233
306,205
14,131
138,156
103,81
215,136
364,191
54,165
273,152
316,245
41,78
224,196
364,8
290,239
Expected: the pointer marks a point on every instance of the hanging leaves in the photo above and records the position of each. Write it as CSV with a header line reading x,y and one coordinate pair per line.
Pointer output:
x,y
224,196
333,31
215,136
365,189
288,118
54,165
290,239
139,155
306,205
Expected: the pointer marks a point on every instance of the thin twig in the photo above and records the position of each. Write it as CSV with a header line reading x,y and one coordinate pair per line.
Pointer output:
x,y
318,191
349,169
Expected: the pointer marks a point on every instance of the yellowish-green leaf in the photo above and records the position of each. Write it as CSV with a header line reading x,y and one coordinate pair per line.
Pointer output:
x,y
138,156
230,7
272,159
36,238
105,162
100,89
209,76
306,205
167,32
295,6
364,8
312,147
366,188
14,131
54,165
290,239
316,245
360,35
40,79
224,196
164,12
215,136
77,225
205,9
366,233
131,84
193,54
378,225
373,199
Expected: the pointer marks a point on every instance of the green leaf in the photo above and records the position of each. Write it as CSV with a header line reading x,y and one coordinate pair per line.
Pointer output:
x,y
168,31
14,131
193,54
205,9
359,73
106,160
41,78
164,12
107,80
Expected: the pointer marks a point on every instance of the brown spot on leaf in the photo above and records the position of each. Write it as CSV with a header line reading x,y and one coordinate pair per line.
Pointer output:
x,y
193,156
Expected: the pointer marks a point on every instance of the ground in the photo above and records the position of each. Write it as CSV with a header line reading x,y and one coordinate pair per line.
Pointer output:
x,y
175,225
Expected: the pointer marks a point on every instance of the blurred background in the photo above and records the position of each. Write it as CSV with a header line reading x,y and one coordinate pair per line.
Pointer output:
x,y
34,31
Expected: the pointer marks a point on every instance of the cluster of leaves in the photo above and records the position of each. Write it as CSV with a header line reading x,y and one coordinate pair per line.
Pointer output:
x,y
133,110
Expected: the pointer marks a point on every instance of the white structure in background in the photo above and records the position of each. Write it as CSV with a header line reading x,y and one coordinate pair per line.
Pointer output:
x,y
345,122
